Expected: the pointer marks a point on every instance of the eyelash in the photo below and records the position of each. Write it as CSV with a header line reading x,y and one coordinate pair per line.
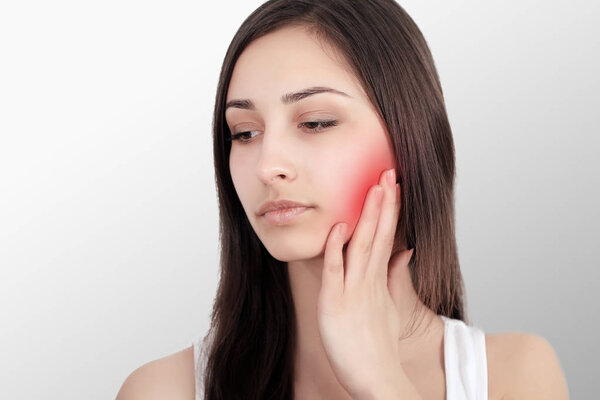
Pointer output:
x,y
320,126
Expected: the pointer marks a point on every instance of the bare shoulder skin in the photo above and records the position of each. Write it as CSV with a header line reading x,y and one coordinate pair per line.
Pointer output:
x,y
523,366
170,377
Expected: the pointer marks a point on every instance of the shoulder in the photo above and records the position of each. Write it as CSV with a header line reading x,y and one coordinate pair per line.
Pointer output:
x,y
523,365
170,377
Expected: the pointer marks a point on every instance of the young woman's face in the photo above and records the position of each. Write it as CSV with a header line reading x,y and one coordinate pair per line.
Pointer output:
x,y
330,168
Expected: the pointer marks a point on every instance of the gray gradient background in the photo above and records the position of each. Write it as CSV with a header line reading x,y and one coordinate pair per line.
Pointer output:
x,y
108,214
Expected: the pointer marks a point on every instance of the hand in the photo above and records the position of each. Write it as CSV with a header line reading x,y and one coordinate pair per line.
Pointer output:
x,y
358,320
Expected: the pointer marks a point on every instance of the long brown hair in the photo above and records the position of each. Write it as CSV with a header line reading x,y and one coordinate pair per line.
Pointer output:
x,y
251,351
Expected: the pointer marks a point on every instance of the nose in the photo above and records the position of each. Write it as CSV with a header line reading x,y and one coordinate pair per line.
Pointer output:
x,y
277,155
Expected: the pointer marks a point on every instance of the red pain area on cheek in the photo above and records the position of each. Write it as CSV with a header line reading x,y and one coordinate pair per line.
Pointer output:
x,y
364,176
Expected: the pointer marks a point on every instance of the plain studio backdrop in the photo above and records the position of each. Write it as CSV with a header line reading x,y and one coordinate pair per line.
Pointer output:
x,y
108,207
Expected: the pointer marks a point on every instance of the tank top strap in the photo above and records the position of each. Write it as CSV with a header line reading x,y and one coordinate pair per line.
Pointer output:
x,y
465,361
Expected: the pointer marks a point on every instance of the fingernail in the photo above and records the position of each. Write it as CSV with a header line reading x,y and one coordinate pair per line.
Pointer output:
x,y
391,176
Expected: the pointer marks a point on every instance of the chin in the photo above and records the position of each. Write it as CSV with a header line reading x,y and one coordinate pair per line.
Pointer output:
x,y
291,252
303,240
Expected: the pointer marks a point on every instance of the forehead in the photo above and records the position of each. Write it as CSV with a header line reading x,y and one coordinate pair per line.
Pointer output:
x,y
286,60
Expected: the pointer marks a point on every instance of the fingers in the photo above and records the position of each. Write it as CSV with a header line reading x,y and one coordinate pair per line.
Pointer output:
x,y
368,253
359,248
332,281
386,228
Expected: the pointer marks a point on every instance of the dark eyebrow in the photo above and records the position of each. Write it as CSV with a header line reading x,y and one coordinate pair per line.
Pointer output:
x,y
247,104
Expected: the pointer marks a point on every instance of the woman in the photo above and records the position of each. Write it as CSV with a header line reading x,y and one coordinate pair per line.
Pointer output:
x,y
352,290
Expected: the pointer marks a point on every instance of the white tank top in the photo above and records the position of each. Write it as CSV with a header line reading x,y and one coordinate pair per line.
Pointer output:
x,y
465,361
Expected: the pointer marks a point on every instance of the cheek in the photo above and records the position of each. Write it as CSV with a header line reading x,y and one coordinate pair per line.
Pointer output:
x,y
358,180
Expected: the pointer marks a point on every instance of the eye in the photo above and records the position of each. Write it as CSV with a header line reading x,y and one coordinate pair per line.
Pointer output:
x,y
317,126
312,126
241,136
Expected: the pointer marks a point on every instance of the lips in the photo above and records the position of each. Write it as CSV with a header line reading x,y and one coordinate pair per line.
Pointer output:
x,y
284,216
279,205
